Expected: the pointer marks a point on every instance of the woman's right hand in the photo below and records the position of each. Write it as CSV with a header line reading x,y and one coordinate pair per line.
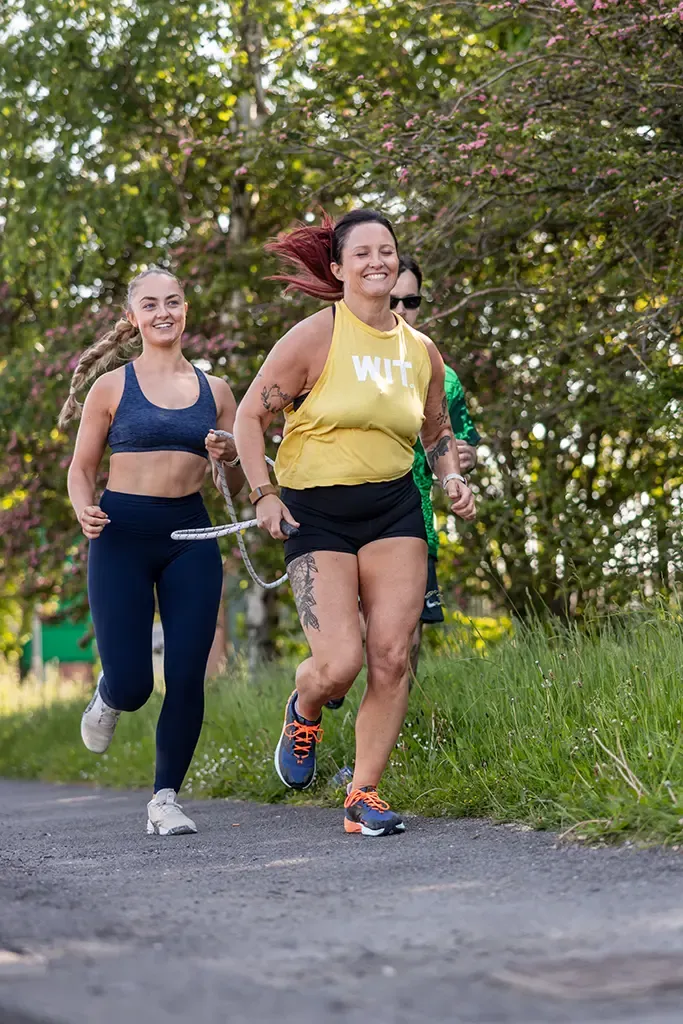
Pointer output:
x,y
93,520
270,511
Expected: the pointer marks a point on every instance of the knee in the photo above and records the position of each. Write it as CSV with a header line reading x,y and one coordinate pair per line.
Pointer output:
x,y
388,664
125,697
337,675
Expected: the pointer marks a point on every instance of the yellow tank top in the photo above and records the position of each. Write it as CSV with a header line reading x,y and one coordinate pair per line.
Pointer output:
x,y
362,417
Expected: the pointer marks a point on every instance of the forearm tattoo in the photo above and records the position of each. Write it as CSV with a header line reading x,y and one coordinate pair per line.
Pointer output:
x,y
443,418
300,572
274,398
438,450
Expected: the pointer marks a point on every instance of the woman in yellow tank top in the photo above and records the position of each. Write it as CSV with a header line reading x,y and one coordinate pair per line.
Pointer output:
x,y
357,385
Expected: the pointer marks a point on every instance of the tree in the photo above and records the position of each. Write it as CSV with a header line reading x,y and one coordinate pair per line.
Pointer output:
x,y
529,155
542,196
139,132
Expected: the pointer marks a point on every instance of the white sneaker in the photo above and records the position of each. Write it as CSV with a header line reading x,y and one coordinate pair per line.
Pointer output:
x,y
98,722
165,816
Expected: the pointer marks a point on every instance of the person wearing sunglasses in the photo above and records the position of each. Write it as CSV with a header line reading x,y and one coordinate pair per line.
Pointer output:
x,y
406,298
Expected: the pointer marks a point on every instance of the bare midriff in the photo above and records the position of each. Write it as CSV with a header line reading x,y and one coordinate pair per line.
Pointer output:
x,y
156,474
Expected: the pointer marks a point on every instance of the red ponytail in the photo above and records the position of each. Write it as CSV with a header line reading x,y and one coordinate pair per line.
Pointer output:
x,y
309,250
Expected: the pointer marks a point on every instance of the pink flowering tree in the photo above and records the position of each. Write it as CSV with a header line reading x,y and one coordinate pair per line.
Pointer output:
x,y
541,190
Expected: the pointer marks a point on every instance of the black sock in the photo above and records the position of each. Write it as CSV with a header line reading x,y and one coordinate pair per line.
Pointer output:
x,y
300,718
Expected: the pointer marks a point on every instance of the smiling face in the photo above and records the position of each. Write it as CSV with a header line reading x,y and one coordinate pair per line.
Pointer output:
x,y
158,308
369,264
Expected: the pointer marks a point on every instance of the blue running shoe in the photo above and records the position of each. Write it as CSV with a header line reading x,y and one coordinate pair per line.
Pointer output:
x,y
295,752
368,815
335,704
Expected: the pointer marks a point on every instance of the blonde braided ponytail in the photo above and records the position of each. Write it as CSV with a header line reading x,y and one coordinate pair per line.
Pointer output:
x,y
95,360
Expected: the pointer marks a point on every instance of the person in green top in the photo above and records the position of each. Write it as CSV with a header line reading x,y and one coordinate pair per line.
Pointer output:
x,y
405,300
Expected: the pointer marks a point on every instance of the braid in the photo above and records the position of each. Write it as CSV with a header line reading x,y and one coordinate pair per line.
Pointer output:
x,y
94,361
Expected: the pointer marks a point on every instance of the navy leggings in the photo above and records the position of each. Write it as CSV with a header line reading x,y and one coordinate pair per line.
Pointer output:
x,y
133,555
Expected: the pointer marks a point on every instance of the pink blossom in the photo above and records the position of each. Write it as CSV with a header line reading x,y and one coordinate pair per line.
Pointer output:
x,y
241,171
467,147
388,146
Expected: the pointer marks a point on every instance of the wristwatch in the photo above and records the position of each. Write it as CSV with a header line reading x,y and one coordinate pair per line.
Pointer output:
x,y
261,492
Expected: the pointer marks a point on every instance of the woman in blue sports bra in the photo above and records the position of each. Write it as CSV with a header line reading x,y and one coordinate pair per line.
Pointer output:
x,y
157,414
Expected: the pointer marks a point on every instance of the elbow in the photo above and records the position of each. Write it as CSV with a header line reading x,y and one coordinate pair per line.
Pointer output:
x,y
79,474
246,416
75,473
431,434
236,482
247,426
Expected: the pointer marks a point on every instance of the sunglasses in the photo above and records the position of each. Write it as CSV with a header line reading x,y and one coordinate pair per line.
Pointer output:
x,y
409,301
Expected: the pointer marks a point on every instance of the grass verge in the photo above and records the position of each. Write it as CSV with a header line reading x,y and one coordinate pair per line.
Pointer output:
x,y
579,731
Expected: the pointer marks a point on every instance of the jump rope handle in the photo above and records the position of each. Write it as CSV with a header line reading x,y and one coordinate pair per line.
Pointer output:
x,y
288,529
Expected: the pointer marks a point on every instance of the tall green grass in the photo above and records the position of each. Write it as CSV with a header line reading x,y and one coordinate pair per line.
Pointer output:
x,y
576,730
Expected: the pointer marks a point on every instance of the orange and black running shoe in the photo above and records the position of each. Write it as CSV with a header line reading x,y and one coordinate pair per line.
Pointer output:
x,y
367,815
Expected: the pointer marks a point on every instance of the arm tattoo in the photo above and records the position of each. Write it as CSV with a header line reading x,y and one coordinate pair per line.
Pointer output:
x,y
443,418
274,398
300,572
438,450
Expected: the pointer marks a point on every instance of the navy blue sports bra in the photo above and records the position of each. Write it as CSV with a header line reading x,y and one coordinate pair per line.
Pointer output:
x,y
141,426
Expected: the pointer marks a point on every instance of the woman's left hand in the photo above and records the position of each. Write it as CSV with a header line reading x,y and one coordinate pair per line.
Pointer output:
x,y
462,500
221,449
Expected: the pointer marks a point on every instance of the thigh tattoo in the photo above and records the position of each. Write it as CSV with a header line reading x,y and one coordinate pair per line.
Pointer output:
x,y
300,572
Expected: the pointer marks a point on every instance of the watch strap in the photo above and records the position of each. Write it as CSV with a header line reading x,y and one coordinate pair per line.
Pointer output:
x,y
261,492
453,476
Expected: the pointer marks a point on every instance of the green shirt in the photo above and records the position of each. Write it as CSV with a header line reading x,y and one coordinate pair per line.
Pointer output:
x,y
465,430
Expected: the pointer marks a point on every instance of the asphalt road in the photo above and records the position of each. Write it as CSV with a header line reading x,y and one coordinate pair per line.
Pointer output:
x,y
273,914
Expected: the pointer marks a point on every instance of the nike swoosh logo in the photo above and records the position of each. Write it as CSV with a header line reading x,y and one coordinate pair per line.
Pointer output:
x,y
433,604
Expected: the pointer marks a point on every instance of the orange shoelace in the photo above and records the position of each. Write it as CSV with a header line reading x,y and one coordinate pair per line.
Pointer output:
x,y
303,736
370,797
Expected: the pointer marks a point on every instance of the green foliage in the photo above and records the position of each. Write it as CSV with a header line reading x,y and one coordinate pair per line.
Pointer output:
x,y
538,188
529,154
573,729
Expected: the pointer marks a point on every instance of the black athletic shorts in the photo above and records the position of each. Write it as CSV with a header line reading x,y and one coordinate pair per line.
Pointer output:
x,y
433,609
347,517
